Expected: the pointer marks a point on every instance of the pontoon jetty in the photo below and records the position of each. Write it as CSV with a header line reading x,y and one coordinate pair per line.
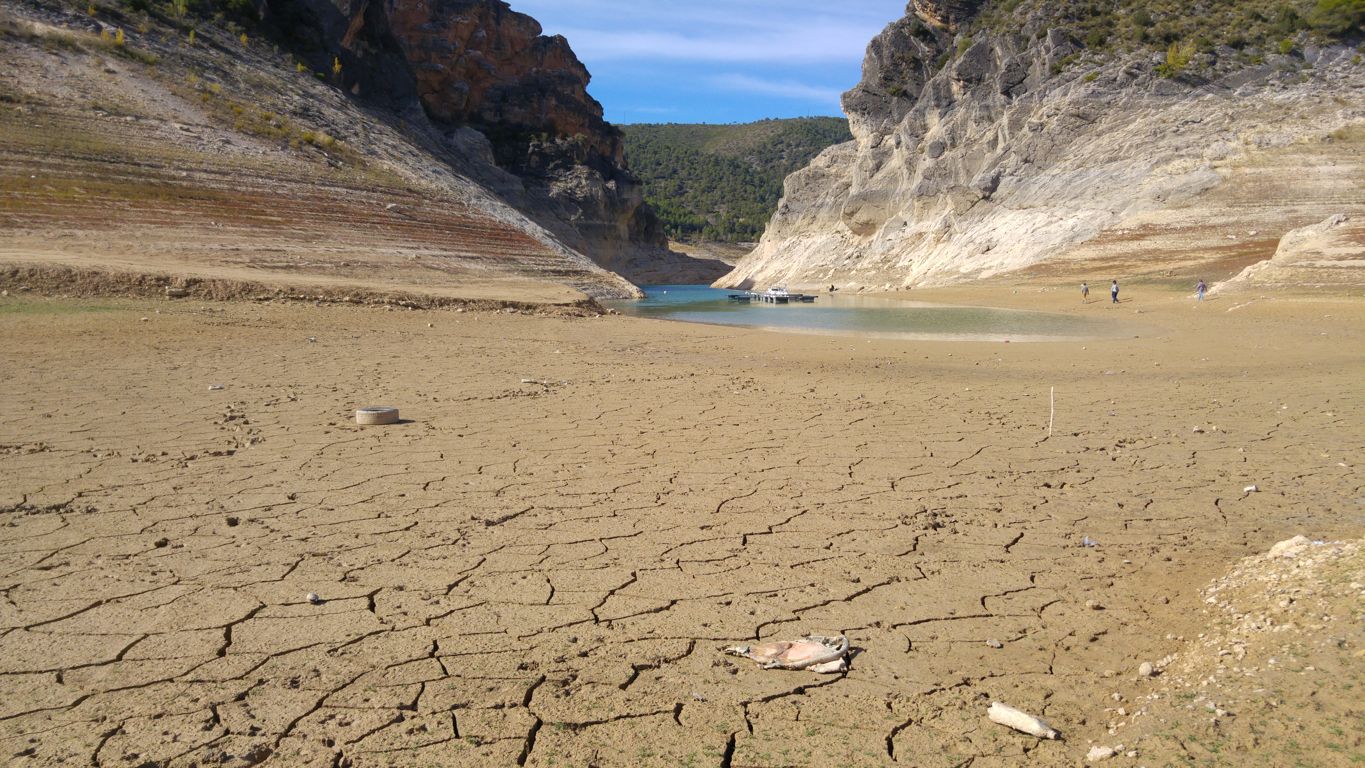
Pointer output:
x,y
775,295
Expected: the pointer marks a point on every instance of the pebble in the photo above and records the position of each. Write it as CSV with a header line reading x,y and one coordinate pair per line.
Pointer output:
x,y
1098,753
314,599
996,644
1145,669
1093,605
1250,489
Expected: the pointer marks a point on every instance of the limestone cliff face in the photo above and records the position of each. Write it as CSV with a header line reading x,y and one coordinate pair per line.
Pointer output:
x,y
979,156
514,104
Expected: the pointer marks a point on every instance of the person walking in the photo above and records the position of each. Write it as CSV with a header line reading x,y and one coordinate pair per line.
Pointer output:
x,y
1201,289
1114,292
1085,293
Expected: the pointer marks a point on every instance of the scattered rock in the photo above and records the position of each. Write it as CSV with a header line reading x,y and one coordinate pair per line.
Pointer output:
x,y
996,644
1094,605
1289,547
1250,489
313,598
1145,669
162,543
1098,753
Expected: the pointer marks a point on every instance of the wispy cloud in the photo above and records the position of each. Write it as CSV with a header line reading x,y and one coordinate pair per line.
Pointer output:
x,y
785,89
711,30
717,60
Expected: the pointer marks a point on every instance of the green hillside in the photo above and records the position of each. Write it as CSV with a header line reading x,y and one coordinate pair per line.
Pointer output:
x,y
722,182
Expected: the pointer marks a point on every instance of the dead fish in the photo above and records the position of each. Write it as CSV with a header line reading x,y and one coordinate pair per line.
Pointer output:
x,y
826,655
1021,721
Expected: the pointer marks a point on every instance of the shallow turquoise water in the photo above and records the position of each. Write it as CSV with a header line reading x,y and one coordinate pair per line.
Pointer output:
x,y
859,316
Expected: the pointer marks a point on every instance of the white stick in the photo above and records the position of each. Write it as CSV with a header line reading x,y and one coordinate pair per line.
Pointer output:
x,y
1052,415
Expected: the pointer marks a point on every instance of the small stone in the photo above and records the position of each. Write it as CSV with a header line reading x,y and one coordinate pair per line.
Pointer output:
x,y
1098,753
1198,430
1093,605
314,599
145,319
162,543
1145,669
232,522
1250,489
996,644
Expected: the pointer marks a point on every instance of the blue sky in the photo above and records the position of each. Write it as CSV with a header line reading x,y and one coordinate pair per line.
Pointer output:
x,y
712,61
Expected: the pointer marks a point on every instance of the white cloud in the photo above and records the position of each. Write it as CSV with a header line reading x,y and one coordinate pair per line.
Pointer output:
x,y
714,31
786,89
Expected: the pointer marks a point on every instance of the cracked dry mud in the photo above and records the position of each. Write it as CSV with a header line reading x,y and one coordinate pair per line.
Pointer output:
x,y
543,573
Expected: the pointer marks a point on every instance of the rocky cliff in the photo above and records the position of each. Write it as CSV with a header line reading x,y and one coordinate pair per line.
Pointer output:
x,y
991,138
513,105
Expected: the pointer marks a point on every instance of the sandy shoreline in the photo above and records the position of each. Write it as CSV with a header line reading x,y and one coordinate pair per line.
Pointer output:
x,y
540,566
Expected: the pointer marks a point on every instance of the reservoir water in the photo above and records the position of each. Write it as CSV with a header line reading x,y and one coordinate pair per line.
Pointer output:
x,y
858,315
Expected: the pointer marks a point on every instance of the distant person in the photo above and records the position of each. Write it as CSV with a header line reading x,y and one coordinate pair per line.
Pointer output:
x,y
1085,293
1114,292
1201,289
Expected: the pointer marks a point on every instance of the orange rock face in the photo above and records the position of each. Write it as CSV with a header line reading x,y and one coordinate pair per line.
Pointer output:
x,y
945,13
479,62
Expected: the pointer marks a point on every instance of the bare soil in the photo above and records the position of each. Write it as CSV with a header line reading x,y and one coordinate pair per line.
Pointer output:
x,y
540,565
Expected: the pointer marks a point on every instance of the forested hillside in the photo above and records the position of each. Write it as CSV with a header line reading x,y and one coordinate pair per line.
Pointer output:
x,y
723,182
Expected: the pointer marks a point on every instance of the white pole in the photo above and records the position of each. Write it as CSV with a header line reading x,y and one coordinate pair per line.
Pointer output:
x,y
1053,414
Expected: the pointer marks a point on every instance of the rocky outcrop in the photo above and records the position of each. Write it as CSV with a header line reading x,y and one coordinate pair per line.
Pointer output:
x,y
512,102
945,13
977,156
1329,254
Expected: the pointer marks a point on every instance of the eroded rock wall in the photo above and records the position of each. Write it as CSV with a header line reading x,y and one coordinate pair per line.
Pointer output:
x,y
513,103
978,157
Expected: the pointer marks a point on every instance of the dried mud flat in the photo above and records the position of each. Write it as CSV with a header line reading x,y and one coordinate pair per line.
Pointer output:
x,y
539,565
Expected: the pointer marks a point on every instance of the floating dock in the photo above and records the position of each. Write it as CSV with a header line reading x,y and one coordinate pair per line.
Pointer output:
x,y
773,296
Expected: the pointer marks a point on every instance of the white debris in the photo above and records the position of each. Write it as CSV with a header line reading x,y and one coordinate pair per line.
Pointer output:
x,y
1098,753
1289,547
1021,721
314,599
1250,489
